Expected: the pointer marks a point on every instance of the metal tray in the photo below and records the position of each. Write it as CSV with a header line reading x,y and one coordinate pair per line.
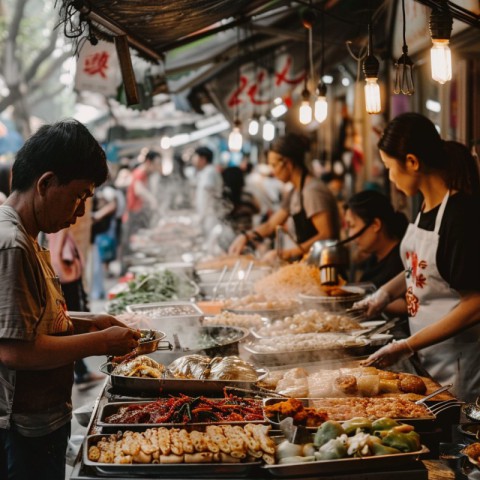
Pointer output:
x,y
345,465
180,309
161,386
113,407
311,402
286,357
180,470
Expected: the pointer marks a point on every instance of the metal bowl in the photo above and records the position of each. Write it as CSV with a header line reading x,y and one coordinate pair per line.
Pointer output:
x,y
153,342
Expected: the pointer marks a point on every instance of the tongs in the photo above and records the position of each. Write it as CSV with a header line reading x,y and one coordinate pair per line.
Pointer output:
x,y
384,327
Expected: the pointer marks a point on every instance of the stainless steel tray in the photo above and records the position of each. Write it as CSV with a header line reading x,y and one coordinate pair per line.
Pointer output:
x,y
162,470
165,385
286,357
113,407
345,465
310,402
179,309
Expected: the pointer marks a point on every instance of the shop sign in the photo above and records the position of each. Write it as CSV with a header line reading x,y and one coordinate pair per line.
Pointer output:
x,y
98,69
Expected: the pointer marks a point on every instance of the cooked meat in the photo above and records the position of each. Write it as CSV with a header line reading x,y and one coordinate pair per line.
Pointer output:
x,y
412,384
347,384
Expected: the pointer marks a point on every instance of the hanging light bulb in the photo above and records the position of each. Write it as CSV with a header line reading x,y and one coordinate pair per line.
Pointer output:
x,y
235,139
253,126
321,105
404,66
370,69
305,111
441,23
268,130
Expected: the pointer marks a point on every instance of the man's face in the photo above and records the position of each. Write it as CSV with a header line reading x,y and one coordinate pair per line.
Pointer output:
x,y
199,162
63,204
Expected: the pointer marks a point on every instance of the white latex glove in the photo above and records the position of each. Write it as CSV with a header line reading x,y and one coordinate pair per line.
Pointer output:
x,y
374,303
389,354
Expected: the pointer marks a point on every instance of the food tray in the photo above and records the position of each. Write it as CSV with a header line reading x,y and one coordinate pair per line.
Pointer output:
x,y
180,470
311,402
271,314
285,357
180,309
345,465
111,408
334,303
161,386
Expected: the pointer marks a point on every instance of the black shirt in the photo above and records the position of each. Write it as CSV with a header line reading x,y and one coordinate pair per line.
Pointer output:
x,y
458,254
380,272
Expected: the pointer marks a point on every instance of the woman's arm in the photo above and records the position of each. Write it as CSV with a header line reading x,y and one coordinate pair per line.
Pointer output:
x,y
263,230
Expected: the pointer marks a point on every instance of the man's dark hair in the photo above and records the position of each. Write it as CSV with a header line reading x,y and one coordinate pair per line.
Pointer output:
x,y
206,153
152,155
65,148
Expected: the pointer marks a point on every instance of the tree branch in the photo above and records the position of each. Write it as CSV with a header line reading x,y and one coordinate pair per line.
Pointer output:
x,y
57,63
16,19
42,56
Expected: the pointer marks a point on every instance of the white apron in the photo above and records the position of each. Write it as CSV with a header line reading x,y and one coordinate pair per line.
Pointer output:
x,y
429,298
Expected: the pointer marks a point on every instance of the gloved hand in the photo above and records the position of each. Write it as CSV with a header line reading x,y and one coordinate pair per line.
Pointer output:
x,y
389,354
374,303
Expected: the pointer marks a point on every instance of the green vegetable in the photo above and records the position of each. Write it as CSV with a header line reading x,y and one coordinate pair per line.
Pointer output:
x,y
332,450
327,431
150,288
380,449
405,442
384,423
351,426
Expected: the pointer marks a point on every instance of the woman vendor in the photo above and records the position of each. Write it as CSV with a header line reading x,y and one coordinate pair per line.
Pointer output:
x,y
370,215
310,204
441,258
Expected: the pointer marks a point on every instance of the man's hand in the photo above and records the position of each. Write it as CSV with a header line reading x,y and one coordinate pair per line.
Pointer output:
x,y
238,244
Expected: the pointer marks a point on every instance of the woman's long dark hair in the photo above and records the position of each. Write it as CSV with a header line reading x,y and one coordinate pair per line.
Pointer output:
x,y
370,204
463,169
412,133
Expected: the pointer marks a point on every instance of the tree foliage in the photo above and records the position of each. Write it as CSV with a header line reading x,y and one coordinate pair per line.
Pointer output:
x,y
32,52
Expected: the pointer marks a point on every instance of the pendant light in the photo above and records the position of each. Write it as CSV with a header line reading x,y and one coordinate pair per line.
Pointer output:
x,y
370,69
235,139
404,66
268,130
321,105
253,126
305,114
441,23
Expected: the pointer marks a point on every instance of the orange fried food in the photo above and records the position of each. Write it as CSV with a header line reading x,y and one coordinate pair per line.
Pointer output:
x,y
309,416
473,451
347,384
412,384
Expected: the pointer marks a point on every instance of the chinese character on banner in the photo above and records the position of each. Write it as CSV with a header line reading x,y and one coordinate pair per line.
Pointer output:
x,y
98,69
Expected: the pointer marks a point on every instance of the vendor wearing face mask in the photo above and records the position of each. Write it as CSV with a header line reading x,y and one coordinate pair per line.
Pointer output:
x,y
370,215
310,204
441,257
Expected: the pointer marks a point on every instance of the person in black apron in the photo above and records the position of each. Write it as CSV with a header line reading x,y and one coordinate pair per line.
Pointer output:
x,y
441,281
310,205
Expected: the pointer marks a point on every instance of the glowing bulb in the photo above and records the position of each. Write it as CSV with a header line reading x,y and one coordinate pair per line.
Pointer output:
x,y
441,61
235,140
372,95
321,109
305,112
268,131
253,127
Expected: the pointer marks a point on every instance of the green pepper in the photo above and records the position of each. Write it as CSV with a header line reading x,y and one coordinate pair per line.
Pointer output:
x,y
332,450
362,423
327,431
405,442
384,423
380,449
